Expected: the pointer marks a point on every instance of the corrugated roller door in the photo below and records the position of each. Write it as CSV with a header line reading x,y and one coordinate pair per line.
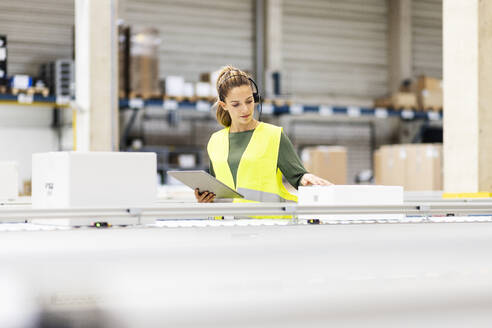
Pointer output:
x,y
197,36
335,48
37,32
427,37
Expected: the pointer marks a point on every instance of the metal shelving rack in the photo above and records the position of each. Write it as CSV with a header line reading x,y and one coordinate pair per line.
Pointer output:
x,y
268,108
36,99
294,109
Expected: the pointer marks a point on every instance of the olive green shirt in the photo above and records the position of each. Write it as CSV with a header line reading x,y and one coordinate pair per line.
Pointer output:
x,y
288,162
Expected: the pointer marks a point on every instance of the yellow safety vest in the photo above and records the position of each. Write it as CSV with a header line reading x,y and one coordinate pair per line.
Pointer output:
x,y
258,178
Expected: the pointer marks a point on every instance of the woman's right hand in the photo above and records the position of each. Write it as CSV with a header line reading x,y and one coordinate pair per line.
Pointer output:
x,y
204,196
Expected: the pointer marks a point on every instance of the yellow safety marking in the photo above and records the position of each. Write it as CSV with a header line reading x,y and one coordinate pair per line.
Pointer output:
x,y
467,195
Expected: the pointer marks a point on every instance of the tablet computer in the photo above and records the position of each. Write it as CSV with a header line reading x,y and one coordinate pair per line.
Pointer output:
x,y
205,182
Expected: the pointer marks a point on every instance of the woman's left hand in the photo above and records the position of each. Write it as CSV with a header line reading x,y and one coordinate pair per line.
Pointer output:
x,y
309,179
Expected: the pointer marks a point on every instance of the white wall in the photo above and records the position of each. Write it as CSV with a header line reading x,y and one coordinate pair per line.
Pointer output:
x,y
25,130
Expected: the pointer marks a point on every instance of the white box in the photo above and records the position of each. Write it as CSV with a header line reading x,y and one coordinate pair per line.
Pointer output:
x,y
21,82
93,179
214,76
9,181
175,86
203,89
189,90
186,161
347,195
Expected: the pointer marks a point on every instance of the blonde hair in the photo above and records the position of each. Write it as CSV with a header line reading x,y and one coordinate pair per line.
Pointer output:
x,y
229,78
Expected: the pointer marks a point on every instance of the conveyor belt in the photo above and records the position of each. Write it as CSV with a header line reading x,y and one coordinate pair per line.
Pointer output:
x,y
352,275
197,210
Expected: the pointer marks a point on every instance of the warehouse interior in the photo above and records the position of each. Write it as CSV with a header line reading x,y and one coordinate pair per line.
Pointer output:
x,y
108,121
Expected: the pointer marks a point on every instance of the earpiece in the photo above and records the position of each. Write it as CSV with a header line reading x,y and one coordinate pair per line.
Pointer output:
x,y
256,97
256,94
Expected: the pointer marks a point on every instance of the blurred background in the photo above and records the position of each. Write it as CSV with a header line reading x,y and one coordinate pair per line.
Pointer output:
x,y
356,84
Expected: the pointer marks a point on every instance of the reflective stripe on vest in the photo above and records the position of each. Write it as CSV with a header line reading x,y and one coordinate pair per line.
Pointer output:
x,y
261,196
258,178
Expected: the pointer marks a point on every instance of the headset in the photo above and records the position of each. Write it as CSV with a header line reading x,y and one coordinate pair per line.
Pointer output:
x,y
256,93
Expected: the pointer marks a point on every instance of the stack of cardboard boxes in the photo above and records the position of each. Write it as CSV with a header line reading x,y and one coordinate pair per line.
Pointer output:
x,y
416,167
144,64
327,162
425,93
429,93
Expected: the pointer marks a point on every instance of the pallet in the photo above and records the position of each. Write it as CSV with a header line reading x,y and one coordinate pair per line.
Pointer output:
x,y
432,109
404,107
206,99
45,92
279,102
143,95
178,99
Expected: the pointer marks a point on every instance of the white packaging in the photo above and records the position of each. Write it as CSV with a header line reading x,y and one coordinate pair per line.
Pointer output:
x,y
203,89
189,90
9,181
3,54
186,161
175,86
93,179
347,195
21,82
213,82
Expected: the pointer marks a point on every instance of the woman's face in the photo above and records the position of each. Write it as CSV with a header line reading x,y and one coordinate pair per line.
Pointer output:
x,y
240,105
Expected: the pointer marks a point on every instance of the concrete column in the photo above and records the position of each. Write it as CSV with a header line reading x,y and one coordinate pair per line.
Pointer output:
x,y
122,9
96,75
400,42
273,42
259,12
467,34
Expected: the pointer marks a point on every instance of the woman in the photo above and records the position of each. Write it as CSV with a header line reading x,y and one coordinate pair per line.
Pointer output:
x,y
247,155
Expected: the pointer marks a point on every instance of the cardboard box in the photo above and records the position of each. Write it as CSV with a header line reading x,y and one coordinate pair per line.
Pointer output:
x,y
9,181
424,167
404,100
378,167
327,162
393,166
145,76
427,83
430,99
389,164
205,77
383,102
416,167
93,179
144,65
347,195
